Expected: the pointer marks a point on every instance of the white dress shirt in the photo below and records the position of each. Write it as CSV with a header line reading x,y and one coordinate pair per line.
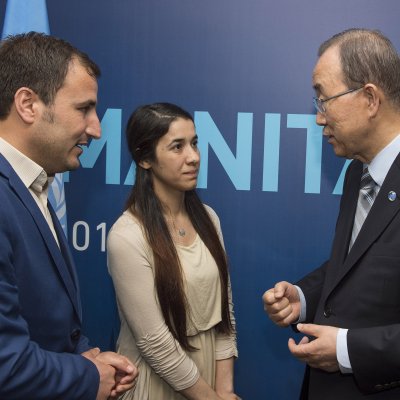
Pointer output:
x,y
33,176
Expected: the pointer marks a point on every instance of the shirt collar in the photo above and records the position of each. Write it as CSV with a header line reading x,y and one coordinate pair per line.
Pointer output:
x,y
381,163
32,174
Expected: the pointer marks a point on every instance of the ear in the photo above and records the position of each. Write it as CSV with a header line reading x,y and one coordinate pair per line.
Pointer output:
x,y
26,103
145,164
374,95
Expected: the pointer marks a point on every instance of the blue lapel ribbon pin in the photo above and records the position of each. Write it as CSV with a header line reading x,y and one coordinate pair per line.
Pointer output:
x,y
392,196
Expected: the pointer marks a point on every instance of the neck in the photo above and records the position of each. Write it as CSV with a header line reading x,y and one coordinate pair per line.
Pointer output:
x,y
173,203
176,216
385,130
175,210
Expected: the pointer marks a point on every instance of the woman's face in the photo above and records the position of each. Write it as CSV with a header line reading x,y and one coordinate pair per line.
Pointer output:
x,y
177,160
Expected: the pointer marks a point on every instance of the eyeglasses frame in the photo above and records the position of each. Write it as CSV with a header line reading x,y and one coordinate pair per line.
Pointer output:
x,y
319,103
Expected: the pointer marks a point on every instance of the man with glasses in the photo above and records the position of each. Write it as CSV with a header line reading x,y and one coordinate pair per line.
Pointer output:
x,y
349,308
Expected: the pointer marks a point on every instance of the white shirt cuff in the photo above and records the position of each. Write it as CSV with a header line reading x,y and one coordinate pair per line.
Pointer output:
x,y
302,316
342,352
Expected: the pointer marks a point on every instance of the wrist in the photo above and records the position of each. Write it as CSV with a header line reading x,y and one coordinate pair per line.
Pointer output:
x,y
224,391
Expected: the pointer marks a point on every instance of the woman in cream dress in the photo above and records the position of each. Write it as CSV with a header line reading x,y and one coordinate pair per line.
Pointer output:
x,y
169,268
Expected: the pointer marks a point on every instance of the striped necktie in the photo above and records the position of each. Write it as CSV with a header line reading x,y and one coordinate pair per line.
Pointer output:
x,y
366,198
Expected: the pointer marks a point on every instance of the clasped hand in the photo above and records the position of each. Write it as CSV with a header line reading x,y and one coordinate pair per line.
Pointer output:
x,y
123,376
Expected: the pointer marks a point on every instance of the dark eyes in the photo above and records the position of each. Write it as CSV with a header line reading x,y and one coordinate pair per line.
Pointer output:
x,y
179,146
85,109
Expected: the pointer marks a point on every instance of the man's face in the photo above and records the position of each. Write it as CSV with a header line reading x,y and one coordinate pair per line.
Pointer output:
x,y
67,124
345,119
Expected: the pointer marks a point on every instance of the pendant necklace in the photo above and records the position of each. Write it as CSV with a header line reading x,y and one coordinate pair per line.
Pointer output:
x,y
181,231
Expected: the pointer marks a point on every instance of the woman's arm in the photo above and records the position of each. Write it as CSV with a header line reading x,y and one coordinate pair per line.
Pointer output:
x,y
201,390
224,379
130,266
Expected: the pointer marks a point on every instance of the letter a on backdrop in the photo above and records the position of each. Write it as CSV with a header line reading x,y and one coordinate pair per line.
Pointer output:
x,y
25,16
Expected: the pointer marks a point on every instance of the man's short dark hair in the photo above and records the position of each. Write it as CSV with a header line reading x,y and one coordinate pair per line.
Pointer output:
x,y
39,62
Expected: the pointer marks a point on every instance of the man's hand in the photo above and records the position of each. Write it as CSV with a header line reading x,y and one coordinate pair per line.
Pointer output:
x,y
320,352
123,373
106,372
282,304
126,372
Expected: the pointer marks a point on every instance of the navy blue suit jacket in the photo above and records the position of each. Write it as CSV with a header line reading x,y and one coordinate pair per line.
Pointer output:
x,y
40,311
360,290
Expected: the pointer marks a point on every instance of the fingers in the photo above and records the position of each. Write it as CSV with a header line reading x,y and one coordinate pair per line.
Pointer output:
x,y
124,371
281,313
280,289
92,353
321,351
274,305
276,293
278,308
309,329
269,297
119,362
119,389
300,350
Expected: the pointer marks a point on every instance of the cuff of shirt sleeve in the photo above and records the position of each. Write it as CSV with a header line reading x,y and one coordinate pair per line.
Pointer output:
x,y
302,316
342,352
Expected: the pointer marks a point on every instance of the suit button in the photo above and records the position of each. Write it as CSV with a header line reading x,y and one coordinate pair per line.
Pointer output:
x,y
76,333
327,312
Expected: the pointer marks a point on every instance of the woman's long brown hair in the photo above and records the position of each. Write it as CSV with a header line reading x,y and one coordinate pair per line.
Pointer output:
x,y
145,127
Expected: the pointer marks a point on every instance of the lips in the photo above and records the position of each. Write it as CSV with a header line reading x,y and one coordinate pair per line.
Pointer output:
x,y
79,147
327,135
193,173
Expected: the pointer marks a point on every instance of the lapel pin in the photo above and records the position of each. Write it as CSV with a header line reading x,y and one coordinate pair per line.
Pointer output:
x,y
392,196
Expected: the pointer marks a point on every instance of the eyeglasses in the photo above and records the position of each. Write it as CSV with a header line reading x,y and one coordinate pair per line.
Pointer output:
x,y
319,103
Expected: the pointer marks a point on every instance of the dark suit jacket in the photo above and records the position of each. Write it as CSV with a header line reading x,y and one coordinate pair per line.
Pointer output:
x,y
40,312
360,290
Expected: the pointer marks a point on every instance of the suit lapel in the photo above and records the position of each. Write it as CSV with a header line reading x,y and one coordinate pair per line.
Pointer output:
x,y
67,257
345,221
379,217
26,198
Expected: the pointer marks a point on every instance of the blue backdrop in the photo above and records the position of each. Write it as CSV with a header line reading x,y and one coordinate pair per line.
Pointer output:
x,y
243,68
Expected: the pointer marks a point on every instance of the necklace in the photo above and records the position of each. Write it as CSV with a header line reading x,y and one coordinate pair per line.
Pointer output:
x,y
181,231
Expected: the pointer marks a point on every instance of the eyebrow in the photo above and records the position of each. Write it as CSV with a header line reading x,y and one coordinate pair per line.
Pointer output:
x,y
180,140
87,103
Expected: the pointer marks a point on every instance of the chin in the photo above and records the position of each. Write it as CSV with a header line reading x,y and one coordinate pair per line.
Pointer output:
x,y
74,164
189,188
339,152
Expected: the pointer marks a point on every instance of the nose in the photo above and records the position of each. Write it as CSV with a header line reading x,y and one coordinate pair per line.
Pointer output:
x,y
320,119
93,128
193,156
